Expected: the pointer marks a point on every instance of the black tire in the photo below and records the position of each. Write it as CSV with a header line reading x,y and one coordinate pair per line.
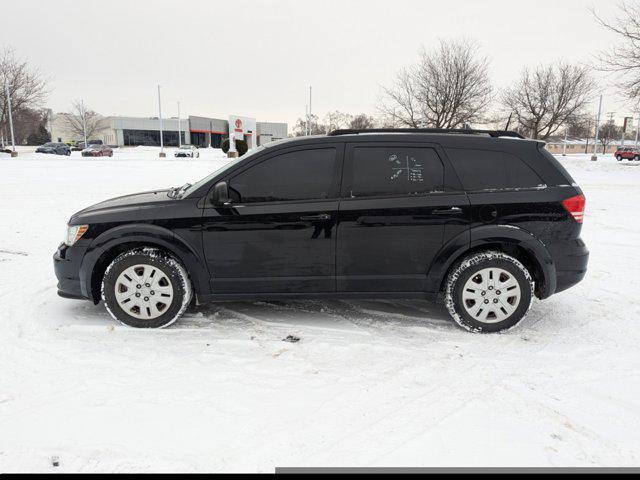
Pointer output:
x,y
637,158
470,267
174,272
619,158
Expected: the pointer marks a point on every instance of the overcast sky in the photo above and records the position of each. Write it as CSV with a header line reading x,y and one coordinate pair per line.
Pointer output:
x,y
258,57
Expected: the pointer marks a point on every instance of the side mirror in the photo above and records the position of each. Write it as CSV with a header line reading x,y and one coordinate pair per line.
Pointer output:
x,y
221,194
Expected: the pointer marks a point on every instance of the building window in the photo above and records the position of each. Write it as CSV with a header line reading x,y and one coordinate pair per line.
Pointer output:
x,y
151,138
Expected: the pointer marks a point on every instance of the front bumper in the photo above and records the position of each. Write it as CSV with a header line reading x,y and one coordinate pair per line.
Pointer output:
x,y
66,264
184,155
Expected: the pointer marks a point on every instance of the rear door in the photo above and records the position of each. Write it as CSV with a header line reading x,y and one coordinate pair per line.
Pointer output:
x,y
400,203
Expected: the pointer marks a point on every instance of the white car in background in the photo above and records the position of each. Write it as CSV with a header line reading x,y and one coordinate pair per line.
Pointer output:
x,y
190,151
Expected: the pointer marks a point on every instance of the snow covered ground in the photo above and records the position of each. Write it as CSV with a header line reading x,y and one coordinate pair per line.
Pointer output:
x,y
371,383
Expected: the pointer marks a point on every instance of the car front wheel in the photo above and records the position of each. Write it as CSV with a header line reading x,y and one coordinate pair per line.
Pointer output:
x,y
489,292
619,158
146,289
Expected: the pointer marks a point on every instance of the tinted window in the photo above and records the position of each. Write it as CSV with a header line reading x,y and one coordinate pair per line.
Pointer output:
x,y
381,170
491,170
554,161
302,175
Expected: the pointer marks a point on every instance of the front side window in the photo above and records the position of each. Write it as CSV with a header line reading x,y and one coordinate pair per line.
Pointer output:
x,y
486,170
301,175
393,171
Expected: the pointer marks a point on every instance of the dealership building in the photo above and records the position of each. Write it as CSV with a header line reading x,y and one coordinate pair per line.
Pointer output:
x,y
200,131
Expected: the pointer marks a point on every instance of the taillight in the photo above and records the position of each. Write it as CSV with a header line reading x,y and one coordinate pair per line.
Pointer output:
x,y
575,206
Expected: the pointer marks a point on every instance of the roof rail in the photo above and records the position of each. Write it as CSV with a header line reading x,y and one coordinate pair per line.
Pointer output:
x,y
491,133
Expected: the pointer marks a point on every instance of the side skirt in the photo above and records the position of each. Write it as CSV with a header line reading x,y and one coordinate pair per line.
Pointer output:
x,y
431,297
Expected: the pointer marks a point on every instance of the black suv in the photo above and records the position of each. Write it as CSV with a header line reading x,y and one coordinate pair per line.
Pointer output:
x,y
482,220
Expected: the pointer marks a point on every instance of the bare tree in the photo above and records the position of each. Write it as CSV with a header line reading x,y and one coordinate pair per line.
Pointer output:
x,y
317,128
609,132
448,88
544,99
401,103
79,117
336,120
580,126
362,122
26,87
624,58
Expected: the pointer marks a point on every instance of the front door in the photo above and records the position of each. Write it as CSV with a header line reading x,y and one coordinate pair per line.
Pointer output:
x,y
398,209
278,234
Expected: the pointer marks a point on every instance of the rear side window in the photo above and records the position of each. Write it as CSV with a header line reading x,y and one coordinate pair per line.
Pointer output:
x,y
484,170
302,175
554,161
388,171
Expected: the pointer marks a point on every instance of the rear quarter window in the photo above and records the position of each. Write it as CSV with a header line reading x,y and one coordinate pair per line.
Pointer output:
x,y
488,170
557,165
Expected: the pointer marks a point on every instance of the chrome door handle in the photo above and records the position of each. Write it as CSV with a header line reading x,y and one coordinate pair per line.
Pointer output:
x,y
316,218
448,211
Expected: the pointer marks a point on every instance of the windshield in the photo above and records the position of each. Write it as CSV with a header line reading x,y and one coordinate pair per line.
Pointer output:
x,y
49,145
95,146
185,147
232,163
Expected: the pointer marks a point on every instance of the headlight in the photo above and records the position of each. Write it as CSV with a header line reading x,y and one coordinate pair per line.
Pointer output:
x,y
75,233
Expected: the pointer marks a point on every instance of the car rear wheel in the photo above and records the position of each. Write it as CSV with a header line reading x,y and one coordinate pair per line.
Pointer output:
x,y
146,288
489,292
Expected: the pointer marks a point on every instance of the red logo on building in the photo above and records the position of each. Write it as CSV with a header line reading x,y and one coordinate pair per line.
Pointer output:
x,y
238,123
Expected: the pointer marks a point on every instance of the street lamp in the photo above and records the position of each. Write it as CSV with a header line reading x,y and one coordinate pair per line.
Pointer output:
x,y
84,123
594,158
162,154
179,127
13,141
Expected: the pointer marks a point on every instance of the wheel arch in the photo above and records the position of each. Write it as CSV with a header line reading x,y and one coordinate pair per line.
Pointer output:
x,y
513,241
108,245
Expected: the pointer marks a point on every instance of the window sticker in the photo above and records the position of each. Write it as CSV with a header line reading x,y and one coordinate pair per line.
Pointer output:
x,y
407,166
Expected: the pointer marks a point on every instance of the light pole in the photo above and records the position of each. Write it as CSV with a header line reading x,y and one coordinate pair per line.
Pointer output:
x,y
624,131
310,103
594,158
179,127
13,140
84,123
306,114
162,154
637,131
566,139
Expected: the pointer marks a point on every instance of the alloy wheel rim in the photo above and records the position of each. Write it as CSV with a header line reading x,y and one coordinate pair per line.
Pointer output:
x,y
491,295
144,292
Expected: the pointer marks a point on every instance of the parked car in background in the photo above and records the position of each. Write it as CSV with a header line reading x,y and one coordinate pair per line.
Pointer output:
x,y
190,151
627,153
97,151
54,148
481,222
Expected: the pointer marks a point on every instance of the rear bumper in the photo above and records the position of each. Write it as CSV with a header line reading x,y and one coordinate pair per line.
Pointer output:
x,y
571,268
66,264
